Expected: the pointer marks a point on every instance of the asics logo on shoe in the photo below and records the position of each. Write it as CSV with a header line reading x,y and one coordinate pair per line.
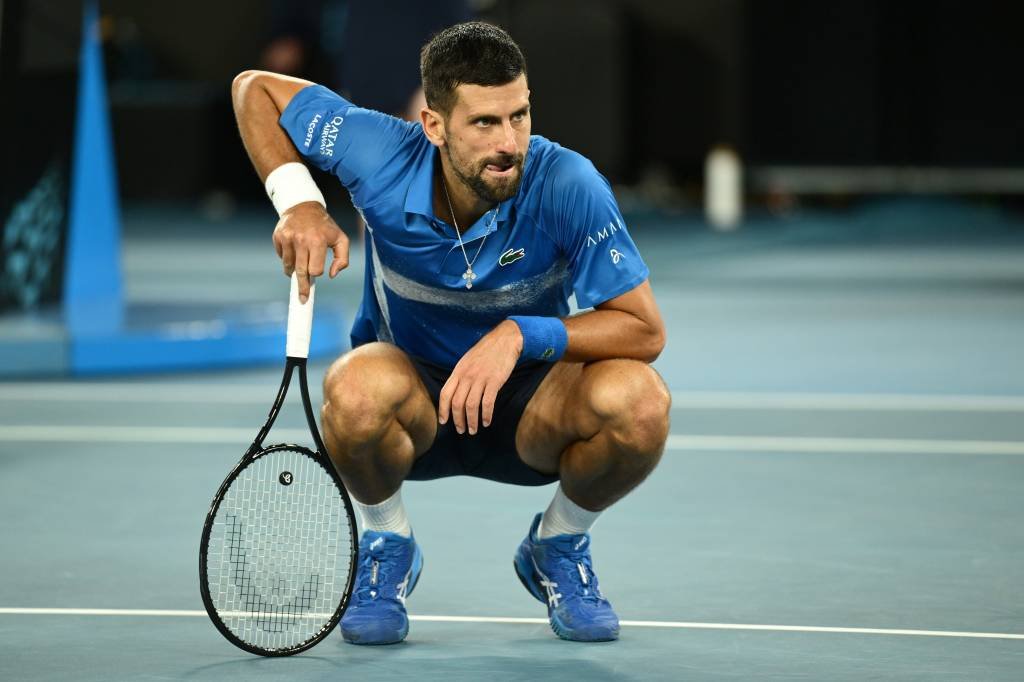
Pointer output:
x,y
553,595
403,587
376,543
550,587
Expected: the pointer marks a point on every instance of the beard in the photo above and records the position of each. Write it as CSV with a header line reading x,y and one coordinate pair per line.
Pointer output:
x,y
494,190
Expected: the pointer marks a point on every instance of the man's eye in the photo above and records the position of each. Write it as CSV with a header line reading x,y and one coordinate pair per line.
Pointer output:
x,y
518,117
483,123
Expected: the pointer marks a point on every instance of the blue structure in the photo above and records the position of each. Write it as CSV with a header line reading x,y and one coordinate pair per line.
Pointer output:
x,y
93,287
100,332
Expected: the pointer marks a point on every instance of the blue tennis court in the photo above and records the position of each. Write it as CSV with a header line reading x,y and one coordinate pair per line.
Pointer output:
x,y
840,497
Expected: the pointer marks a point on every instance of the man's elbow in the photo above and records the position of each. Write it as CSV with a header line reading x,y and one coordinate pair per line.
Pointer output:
x,y
655,344
242,83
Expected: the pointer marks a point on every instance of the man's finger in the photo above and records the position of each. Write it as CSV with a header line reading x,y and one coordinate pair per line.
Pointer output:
x,y
473,407
302,270
288,258
487,403
304,285
444,400
317,258
340,261
459,406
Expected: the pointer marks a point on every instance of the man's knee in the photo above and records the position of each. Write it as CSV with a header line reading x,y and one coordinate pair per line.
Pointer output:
x,y
633,403
363,391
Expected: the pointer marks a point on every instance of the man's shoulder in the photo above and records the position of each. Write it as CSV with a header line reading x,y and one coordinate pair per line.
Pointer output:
x,y
563,181
555,163
348,140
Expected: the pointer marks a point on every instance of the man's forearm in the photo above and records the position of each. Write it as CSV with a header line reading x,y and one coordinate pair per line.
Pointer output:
x,y
606,334
258,98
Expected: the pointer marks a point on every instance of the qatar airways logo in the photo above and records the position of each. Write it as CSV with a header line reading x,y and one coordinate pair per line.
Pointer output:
x,y
329,136
309,131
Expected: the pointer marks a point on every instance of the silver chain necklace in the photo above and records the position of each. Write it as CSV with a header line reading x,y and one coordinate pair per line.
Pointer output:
x,y
468,275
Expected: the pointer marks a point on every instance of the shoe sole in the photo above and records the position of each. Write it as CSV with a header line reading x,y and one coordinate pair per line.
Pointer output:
x,y
559,629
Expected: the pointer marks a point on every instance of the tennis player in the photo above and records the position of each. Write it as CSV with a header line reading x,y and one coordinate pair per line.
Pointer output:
x,y
465,360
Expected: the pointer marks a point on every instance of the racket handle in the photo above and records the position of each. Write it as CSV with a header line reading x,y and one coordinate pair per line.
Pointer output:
x,y
300,321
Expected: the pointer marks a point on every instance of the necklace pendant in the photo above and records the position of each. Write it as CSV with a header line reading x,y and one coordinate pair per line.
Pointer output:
x,y
469,276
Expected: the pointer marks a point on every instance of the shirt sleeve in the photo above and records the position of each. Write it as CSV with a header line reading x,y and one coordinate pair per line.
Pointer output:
x,y
603,260
338,137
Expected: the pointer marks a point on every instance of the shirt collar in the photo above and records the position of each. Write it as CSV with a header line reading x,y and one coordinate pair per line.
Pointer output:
x,y
420,198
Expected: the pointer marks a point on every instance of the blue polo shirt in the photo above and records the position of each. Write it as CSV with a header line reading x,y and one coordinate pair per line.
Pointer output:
x,y
561,234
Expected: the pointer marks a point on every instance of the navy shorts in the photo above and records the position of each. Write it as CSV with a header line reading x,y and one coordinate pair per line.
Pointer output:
x,y
491,453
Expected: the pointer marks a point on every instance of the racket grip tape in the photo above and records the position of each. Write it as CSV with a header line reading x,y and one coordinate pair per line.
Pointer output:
x,y
300,321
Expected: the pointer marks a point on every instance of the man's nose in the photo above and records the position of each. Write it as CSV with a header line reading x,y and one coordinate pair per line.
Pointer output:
x,y
507,142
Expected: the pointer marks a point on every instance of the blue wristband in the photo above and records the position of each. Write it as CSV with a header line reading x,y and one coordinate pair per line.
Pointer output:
x,y
544,338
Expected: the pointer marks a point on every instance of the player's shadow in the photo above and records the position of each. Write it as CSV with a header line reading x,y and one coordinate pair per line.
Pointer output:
x,y
415,660
261,667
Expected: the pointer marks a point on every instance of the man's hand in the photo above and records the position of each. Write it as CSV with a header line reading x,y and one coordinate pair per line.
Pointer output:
x,y
473,385
301,239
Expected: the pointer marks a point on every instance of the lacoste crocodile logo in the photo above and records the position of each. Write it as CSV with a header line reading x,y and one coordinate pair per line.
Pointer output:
x,y
511,256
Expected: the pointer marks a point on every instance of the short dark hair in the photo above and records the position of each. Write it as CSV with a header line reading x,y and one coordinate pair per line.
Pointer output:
x,y
473,52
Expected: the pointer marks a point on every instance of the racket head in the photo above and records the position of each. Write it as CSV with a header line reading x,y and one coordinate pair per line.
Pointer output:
x,y
278,551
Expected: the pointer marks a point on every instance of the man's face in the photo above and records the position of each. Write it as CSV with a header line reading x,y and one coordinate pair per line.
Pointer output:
x,y
487,135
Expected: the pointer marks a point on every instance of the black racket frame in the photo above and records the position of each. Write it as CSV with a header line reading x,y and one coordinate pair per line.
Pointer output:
x,y
255,451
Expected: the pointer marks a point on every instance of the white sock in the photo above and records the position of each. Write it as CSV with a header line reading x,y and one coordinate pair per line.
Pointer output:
x,y
386,517
565,517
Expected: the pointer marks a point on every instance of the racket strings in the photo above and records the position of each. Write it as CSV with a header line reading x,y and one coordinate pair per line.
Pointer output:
x,y
279,553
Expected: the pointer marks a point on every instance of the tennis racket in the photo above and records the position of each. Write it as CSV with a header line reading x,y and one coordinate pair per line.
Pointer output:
x,y
278,553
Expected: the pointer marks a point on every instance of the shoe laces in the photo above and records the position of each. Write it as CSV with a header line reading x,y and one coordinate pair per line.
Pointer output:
x,y
374,570
578,569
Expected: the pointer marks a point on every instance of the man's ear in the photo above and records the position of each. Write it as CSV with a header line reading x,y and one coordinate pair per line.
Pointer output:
x,y
433,126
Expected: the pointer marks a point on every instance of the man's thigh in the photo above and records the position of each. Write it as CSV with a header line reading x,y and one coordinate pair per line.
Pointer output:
x,y
554,418
380,377
565,409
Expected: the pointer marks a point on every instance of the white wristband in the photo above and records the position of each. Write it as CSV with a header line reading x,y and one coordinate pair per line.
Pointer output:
x,y
291,184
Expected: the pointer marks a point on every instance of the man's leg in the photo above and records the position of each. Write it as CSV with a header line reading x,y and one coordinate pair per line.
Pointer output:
x,y
377,418
602,427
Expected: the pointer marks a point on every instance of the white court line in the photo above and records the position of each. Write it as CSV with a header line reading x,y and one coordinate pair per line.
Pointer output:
x,y
245,394
544,621
880,402
144,434
237,436
844,445
242,394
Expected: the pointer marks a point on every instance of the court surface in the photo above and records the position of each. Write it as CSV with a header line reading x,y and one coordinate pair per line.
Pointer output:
x,y
840,499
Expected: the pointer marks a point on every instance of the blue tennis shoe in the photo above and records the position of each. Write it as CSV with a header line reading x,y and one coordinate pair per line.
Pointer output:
x,y
389,566
558,572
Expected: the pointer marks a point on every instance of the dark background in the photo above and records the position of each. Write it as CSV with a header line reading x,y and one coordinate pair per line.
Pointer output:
x,y
639,86
643,87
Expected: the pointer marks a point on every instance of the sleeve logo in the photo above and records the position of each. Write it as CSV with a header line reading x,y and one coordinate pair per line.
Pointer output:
x,y
616,256
309,131
598,236
329,135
